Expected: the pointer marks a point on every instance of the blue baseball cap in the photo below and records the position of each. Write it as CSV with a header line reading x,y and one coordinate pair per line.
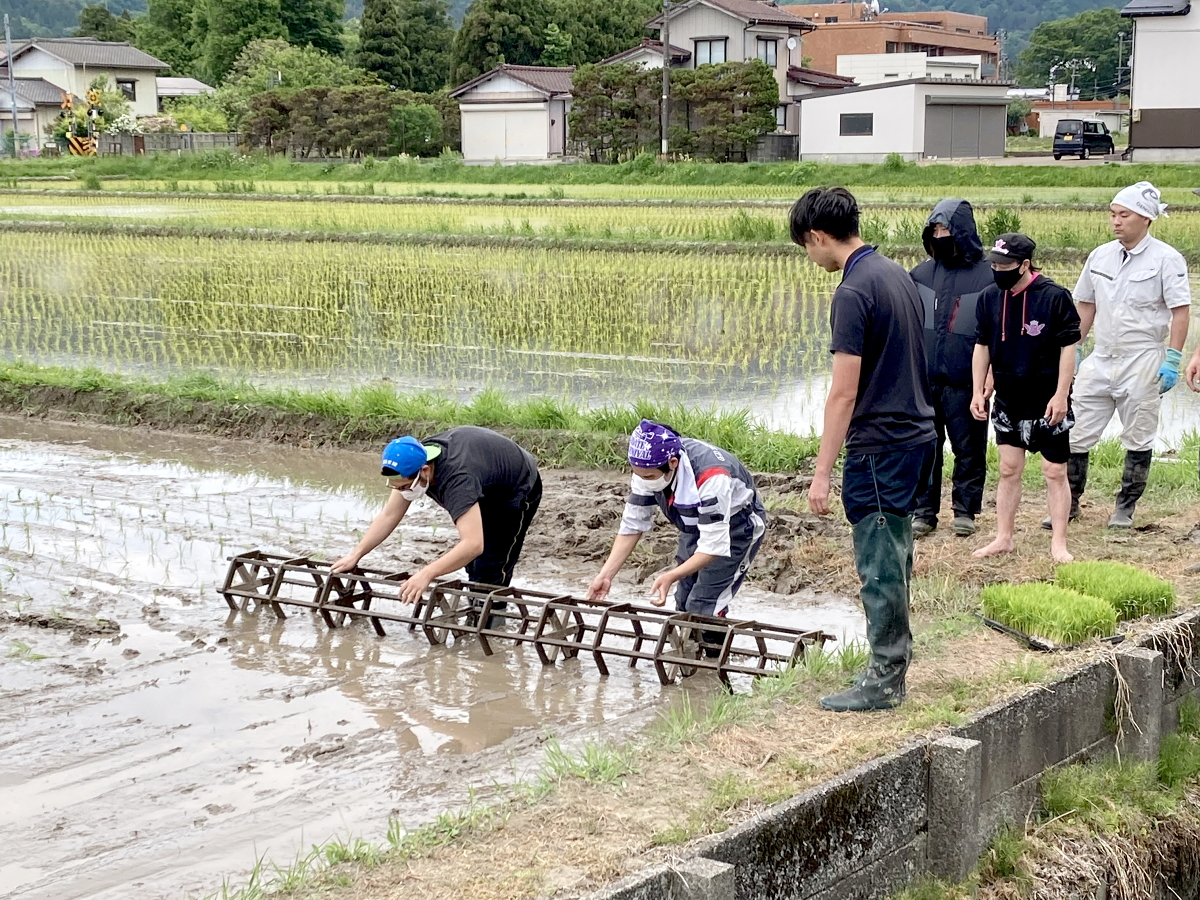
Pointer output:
x,y
404,457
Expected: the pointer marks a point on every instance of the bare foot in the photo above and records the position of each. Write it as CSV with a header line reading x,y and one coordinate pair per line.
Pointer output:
x,y
995,548
1060,554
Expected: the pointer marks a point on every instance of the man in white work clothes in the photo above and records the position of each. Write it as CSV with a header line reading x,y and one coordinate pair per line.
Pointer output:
x,y
1134,294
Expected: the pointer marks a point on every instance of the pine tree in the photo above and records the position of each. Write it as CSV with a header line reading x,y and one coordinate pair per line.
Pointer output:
x,y
427,35
315,22
500,31
556,46
381,48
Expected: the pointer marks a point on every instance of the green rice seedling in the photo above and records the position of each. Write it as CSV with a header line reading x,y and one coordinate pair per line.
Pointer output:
x,y
1043,610
1132,591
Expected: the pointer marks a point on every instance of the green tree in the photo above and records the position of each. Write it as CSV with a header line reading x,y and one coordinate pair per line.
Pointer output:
x,y
500,31
1086,44
314,22
601,30
614,114
200,113
415,129
166,32
724,108
98,22
381,49
276,65
556,46
228,26
427,35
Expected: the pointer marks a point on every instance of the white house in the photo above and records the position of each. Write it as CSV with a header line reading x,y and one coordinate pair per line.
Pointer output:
x,y
921,118
873,68
515,114
38,106
71,64
1165,117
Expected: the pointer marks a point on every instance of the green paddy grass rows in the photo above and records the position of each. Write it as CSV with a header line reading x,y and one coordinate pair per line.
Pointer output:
x,y
1059,228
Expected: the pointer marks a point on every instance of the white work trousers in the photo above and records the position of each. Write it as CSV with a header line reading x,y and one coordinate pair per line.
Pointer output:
x,y
1126,385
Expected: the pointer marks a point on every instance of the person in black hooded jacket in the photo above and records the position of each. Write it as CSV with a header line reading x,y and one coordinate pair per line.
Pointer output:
x,y
950,283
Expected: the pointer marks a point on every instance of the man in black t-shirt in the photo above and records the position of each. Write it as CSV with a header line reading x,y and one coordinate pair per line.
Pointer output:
x,y
490,487
879,406
1028,330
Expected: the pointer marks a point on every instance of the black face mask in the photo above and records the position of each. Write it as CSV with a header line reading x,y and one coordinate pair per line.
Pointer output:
x,y
1007,280
943,248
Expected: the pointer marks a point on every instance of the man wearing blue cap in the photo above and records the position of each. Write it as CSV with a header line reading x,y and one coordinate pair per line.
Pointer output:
x,y
710,497
490,487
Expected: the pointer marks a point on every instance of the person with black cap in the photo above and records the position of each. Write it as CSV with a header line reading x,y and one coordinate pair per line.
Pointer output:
x,y
490,487
1028,331
950,283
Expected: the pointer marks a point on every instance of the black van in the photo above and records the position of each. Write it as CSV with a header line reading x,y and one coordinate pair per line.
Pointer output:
x,y
1082,138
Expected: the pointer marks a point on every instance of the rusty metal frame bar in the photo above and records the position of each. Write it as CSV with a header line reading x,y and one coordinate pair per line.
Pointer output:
x,y
558,625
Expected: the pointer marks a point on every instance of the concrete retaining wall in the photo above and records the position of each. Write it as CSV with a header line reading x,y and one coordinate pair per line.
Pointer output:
x,y
933,807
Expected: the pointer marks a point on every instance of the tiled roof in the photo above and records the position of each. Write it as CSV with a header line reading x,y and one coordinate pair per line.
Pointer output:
x,y
93,52
39,90
550,80
817,79
181,87
678,54
753,11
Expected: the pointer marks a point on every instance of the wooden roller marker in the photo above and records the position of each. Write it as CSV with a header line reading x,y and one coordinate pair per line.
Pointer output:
x,y
558,625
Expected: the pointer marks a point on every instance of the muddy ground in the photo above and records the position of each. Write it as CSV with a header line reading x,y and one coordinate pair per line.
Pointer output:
x,y
156,743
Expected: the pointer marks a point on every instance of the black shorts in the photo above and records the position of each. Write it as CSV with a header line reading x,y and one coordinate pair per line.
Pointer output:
x,y
1055,448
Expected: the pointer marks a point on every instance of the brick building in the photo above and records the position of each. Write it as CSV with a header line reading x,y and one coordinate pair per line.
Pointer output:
x,y
853,29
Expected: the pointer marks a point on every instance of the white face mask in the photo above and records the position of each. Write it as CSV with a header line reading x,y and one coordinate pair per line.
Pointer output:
x,y
414,491
653,485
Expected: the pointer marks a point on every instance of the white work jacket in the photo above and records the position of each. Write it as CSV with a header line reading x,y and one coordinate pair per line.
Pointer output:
x,y
1134,293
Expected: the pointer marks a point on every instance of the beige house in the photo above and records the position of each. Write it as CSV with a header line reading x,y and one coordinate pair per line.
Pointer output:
x,y
71,64
717,31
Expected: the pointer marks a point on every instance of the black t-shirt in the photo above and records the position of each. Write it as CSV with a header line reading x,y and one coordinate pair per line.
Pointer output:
x,y
477,465
877,315
1025,341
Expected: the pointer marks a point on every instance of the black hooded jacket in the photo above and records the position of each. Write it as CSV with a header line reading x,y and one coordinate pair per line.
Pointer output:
x,y
950,292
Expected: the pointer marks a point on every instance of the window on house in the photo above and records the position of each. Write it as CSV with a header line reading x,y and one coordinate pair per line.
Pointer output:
x,y
768,51
891,47
781,116
963,30
128,87
858,124
710,51
891,75
829,20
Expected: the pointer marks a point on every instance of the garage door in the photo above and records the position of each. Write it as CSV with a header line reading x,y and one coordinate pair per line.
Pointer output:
x,y
964,131
482,133
526,134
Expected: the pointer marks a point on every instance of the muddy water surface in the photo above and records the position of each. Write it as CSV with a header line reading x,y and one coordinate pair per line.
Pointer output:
x,y
155,743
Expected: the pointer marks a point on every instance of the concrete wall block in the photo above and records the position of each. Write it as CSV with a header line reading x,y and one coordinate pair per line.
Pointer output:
x,y
1181,676
1141,726
1025,736
955,780
882,878
706,879
657,883
825,835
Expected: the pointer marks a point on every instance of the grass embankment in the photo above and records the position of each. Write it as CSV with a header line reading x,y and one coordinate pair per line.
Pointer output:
x,y
559,433
644,169
1117,828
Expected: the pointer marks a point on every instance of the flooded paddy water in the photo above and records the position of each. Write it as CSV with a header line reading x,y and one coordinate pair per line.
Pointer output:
x,y
155,742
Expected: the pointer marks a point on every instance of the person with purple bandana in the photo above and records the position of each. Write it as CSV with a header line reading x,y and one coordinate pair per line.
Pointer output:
x,y
710,497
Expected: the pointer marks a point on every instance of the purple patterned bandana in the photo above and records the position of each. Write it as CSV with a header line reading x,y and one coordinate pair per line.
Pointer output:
x,y
652,445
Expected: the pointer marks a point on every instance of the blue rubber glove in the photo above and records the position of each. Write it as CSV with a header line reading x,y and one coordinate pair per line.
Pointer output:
x,y
1168,374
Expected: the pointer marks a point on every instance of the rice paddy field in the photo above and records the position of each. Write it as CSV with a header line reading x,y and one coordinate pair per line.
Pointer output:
x,y
694,302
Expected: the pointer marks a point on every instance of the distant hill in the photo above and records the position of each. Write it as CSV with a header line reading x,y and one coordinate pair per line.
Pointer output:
x,y
56,18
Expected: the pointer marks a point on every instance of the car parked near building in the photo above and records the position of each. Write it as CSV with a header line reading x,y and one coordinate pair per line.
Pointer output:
x,y
1082,138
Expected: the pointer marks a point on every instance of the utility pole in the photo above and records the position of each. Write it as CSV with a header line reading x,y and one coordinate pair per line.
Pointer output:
x,y
665,34
12,87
